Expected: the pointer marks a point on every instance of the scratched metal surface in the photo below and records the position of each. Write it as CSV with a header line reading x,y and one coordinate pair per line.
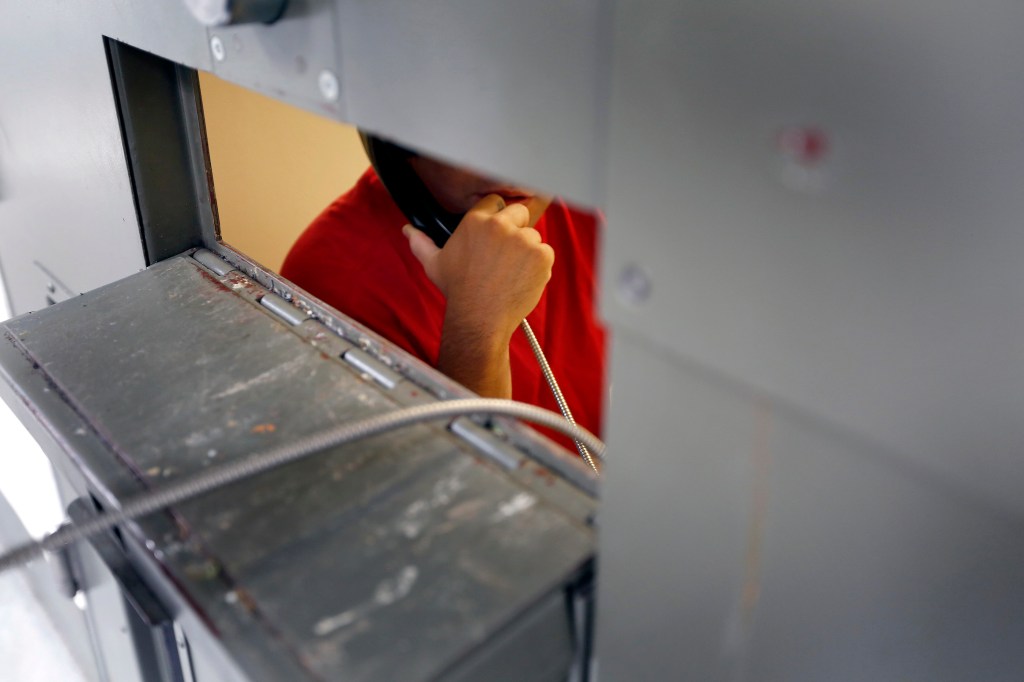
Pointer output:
x,y
388,559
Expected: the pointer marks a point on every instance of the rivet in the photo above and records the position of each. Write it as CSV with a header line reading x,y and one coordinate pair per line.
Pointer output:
x,y
634,285
328,83
217,48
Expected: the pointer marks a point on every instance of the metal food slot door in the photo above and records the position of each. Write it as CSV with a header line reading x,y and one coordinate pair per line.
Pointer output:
x,y
454,550
426,541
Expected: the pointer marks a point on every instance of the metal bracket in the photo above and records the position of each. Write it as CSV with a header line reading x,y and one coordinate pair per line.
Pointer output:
x,y
369,365
153,628
212,261
486,442
283,309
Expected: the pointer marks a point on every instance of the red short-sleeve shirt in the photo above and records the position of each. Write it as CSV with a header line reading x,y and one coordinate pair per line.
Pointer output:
x,y
355,258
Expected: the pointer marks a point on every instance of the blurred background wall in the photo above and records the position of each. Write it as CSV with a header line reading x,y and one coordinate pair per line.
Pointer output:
x,y
275,167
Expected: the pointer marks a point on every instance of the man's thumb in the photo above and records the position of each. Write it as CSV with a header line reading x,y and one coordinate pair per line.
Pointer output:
x,y
423,247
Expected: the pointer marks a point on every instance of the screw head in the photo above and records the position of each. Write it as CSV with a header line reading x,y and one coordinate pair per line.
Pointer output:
x,y
217,48
329,87
634,286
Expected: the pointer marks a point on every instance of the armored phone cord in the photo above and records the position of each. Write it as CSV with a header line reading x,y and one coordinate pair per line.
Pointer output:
x,y
555,390
210,479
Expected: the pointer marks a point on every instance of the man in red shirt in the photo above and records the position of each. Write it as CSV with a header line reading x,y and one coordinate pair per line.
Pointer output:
x,y
516,254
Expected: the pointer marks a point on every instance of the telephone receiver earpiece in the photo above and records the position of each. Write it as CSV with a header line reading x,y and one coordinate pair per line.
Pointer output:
x,y
391,161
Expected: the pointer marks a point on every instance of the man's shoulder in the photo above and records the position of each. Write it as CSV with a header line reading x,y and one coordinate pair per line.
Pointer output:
x,y
563,213
352,232
367,200
569,228
363,213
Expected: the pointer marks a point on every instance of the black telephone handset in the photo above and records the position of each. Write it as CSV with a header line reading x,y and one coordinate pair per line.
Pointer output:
x,y
391,161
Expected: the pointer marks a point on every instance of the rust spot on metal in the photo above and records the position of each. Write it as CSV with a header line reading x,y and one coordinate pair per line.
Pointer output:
x,y
182,527
264,428
542,473
208,277
205,570
465,510
246,600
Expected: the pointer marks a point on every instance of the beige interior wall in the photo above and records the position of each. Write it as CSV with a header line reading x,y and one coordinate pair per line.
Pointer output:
x,y
275,167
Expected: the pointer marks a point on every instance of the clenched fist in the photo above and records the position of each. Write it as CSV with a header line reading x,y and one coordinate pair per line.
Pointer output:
x,y
492,273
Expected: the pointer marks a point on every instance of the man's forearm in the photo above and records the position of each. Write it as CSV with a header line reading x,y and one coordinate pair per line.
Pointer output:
x,y
476,358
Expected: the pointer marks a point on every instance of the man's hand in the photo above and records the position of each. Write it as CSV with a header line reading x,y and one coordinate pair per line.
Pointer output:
x,y
492,272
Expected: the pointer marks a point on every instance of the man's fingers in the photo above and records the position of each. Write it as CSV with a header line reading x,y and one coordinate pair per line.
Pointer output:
x,y
517,213
423,247
494,204
490,204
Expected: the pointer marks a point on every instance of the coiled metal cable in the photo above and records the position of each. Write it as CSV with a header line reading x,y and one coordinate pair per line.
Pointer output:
x,y
210,479
549,376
